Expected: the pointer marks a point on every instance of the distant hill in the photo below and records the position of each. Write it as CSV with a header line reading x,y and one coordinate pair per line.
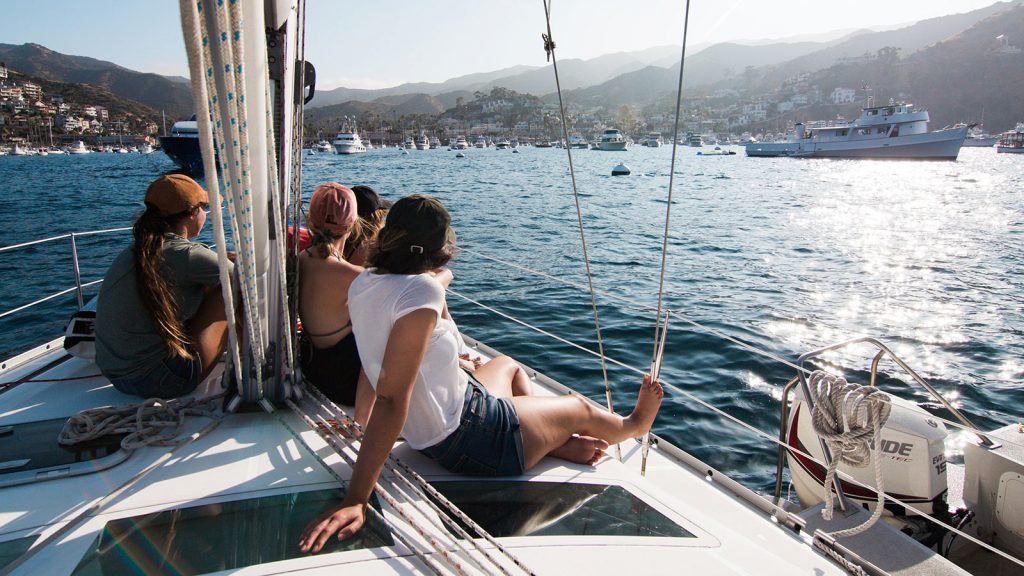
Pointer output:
x,y
909,39
574,73
153,90
768,64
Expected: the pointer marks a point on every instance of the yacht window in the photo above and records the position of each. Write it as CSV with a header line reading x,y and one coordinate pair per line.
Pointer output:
x,y
511,508
222,536
841,133
12,549
30,452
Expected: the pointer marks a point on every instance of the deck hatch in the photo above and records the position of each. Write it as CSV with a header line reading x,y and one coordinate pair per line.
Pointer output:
x,y
514,508
221,536
29,452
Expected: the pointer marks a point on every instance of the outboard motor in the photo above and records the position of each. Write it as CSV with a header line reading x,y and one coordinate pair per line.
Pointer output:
x,y
913,460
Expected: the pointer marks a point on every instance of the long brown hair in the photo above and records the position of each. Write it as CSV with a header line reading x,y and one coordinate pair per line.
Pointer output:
x,y
154,289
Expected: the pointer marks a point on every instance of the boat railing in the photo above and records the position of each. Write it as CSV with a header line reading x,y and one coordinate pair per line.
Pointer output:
x,y
79,287
882,351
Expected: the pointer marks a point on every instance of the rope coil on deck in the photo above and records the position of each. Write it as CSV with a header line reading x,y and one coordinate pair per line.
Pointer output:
x,y
847,417
153,422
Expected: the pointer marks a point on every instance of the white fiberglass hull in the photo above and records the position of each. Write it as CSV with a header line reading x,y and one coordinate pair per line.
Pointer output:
x,y
349,148
940,145
612,146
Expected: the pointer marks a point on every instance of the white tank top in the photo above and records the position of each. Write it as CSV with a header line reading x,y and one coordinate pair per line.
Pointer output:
x,y
376,302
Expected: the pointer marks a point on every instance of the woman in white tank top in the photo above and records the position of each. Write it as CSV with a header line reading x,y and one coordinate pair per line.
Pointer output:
x,y
482,425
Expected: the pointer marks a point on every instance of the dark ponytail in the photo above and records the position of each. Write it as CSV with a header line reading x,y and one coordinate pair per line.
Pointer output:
x,y
154,289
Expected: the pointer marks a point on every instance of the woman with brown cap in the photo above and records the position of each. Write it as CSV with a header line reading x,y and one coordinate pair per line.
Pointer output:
x,y
480,425
330,359
160,323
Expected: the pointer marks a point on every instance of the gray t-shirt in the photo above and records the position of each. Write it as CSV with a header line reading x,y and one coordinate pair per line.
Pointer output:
x,y
127,341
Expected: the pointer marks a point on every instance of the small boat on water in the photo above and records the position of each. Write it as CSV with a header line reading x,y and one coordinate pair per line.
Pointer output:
x,y
893,131
435,142
460,143
480,141
978,138
716,152
652,140
612,140
502,144
577,141
694,139
422,142
1012,141
323,146
78,148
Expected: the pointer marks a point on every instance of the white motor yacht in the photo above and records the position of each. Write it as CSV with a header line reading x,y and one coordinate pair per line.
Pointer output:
x,y
323,146
612,140
893,131
348,143
460,143
480,141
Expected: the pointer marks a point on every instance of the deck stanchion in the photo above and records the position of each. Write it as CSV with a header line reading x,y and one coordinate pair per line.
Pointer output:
x,y
78,273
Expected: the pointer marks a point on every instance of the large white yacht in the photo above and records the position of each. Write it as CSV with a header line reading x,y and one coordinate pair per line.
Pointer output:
x,y
346,142
612,139
893,131
422,142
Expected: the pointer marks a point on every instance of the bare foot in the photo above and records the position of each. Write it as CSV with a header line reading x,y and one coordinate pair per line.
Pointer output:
x,y
647,404
581,450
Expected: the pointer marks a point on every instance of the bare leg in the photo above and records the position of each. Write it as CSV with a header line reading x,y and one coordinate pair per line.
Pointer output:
x,y
547,424
208,330
504,378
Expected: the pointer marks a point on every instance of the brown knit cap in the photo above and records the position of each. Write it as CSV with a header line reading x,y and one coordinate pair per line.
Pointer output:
x,y
175,193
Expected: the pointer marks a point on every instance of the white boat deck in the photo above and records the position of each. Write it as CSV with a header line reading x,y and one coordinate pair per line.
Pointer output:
x,y
257,454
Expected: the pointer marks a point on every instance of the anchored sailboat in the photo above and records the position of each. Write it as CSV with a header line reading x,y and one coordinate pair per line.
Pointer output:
x,y
255,453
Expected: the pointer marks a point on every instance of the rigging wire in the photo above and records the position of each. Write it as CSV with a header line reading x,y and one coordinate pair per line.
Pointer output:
x,y
660,330
549,48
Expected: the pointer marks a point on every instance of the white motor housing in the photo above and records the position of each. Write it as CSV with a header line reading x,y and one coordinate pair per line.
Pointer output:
x,y
912,451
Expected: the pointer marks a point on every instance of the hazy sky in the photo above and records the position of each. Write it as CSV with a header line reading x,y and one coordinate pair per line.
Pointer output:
x,y
380,43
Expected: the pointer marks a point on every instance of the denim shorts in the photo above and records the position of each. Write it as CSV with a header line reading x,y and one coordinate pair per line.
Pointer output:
x,y
488,441
169,378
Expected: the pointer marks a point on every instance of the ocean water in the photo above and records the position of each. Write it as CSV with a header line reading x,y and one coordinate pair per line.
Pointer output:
x,y
782,255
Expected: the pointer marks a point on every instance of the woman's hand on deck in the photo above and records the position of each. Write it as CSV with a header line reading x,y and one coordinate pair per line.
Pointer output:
x,y
344,521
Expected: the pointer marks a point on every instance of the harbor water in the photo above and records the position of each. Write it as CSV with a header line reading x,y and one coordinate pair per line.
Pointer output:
x,y
766,259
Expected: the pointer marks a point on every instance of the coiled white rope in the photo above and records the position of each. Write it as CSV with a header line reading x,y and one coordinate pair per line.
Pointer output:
x,y
847,417
153,422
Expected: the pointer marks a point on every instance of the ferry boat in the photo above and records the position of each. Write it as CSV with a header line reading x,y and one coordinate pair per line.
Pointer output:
x,y
893,131
1012,141
346,142
612,140
224,480
182,145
